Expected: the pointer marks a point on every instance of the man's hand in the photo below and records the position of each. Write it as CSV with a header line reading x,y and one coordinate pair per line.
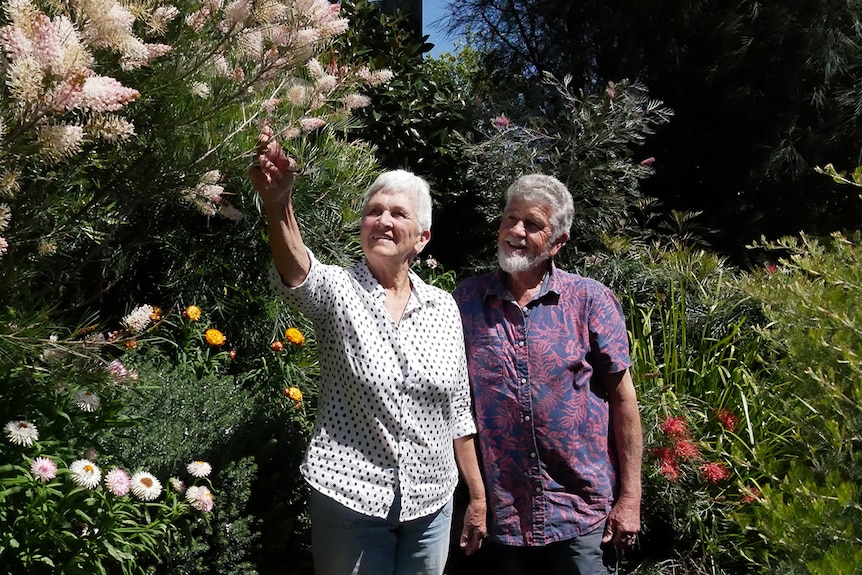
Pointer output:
x,y
273,171
623,523
475,528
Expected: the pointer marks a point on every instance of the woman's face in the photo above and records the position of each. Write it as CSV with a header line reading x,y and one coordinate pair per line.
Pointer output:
x,y
390,229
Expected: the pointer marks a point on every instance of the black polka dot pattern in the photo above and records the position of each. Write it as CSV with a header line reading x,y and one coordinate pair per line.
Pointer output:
x,y
392,397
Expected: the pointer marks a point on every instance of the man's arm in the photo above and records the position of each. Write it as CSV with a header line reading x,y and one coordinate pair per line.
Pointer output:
x,y
272,176
624,520
475,527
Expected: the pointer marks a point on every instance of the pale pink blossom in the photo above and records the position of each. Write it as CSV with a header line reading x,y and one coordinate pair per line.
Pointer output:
x,y
47,47
200,498
4,246
235,15
315,69
211,177
198,19
5,216
139,319
501,121
270,105
24,78
103,94
297,94
333,28
250,45
43,469
210,192
221,67
110,128
161,17
227,211
60,140
353,101
310,124
200,89
118,482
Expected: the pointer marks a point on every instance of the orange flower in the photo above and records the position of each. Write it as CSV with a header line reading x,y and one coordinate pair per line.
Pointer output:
x,y
192,312
233,354
294,336
156,314
132,344
214,337
293,393
276,345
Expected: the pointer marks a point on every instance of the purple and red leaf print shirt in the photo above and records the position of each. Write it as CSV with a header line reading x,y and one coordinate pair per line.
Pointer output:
x,y
542,415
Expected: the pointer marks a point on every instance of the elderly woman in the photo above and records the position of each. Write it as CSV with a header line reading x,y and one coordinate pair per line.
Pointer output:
x,y
394,407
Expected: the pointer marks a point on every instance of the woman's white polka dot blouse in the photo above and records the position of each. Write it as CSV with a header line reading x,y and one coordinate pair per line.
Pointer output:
x,y
392,397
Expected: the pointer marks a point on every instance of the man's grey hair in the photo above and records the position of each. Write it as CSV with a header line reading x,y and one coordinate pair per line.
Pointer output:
x,y
409,184
547,190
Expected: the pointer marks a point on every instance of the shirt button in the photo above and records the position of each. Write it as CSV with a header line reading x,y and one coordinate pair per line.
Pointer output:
x,y
526,418
523,380
521,343
532,454
538,488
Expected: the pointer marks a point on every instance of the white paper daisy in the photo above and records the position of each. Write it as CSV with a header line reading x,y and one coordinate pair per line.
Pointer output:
x,y
199,468
43,469
145,486
21,433
86,401
200,498
117,482
85,473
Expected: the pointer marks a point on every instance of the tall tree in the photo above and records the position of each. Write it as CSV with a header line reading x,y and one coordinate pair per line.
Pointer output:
x,y
762,93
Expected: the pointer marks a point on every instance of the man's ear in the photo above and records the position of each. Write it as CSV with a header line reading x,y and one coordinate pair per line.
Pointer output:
x,y
558,244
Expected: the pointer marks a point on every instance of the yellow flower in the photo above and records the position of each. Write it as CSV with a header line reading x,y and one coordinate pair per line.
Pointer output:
x,y
156,315
214,337
193,312
293,393
294,336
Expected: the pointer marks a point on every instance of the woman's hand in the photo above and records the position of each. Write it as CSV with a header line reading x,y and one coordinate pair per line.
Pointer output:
x,y
273,172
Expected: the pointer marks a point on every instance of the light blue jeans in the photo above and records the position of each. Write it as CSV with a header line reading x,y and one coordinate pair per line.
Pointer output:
x,y
344,542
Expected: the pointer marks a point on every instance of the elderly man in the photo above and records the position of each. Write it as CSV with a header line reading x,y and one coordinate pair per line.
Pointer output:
x,y
556,409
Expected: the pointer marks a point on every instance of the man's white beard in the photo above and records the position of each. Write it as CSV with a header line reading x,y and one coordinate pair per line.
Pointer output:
x,y
517,263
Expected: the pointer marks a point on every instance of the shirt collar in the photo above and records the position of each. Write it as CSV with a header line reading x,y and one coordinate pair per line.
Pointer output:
x,y
550,285
425,294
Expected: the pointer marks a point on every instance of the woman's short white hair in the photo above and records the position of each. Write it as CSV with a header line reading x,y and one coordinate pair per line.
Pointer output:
x,y
409,184
548,190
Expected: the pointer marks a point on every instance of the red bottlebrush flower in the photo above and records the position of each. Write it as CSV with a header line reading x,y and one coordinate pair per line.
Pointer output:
x,y
685,450
675,427
727,419
276,345
501,122
714,472
751,495
669,468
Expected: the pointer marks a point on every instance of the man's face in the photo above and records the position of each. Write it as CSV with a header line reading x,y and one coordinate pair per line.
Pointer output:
x,y
525,235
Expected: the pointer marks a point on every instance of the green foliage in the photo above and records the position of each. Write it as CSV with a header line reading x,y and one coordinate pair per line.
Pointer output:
x,y
811,297
705,412
590,148
95,231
